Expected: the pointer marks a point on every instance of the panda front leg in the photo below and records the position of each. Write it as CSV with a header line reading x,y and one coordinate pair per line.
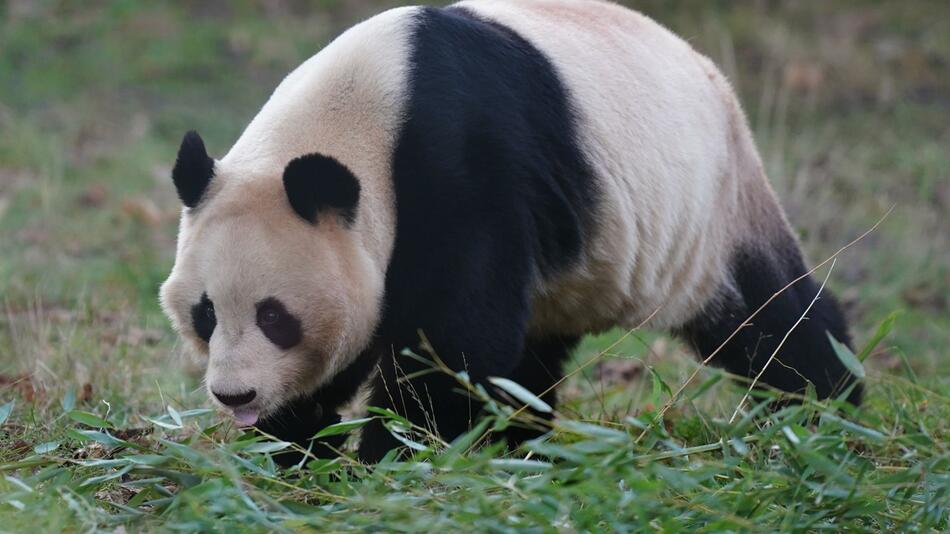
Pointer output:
x,y
467,287
428,397
437,402
539,372
297,422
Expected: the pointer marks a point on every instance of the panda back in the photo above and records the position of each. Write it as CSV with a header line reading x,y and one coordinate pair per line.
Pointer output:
x,y
662,132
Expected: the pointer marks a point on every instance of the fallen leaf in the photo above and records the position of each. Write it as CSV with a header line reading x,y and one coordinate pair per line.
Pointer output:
x,y
24,386
85,393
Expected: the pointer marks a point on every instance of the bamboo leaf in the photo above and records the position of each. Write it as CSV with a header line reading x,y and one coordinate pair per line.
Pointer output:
x,y
69,399
89,419
466,440
5,411
516,464
267,446
162,424
342,427
860,430
102,437
398,433
594,431
44,448
518,391
389,414
108,476
173,413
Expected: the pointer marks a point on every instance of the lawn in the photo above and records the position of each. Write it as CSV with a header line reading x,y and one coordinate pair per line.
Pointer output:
x,y
103,420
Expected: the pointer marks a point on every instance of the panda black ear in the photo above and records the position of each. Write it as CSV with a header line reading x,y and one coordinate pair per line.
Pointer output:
x,y
193,169
316,182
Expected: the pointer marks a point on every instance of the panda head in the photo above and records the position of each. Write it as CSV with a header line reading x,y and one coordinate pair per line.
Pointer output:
x,y
272,284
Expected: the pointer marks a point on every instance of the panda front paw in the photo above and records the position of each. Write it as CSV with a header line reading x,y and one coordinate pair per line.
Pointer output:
x,y
298,423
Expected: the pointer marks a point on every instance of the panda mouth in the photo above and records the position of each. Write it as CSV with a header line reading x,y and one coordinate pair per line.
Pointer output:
x,y
246,416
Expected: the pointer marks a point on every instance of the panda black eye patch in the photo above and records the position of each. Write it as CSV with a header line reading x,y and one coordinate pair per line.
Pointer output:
x,y
203,319
279,325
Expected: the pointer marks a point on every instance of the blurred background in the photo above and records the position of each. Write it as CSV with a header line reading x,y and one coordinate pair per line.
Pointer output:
x,y
849,102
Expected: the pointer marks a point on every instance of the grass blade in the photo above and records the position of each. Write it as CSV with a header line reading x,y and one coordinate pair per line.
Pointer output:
x,y
882,331
847,358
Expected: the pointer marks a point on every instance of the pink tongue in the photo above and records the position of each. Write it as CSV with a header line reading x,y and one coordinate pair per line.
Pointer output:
x,y
245,417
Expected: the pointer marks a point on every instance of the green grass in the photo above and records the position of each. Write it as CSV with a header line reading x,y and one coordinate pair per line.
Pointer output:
x,y
850,105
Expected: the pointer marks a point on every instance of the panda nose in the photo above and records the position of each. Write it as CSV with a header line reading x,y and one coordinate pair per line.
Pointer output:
x,y
235,399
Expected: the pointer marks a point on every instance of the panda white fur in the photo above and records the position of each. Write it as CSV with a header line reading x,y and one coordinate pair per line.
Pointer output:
x,y
504,177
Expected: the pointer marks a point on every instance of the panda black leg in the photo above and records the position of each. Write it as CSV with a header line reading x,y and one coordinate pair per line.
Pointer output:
x,y
806,356
436,401
539,370
427,397
297,422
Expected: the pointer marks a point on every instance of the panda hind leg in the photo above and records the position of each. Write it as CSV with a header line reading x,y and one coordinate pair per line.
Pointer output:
x,y
803,352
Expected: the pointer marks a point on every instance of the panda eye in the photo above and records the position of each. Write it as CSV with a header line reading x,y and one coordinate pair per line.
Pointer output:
x,y
269,316
203,319
279,325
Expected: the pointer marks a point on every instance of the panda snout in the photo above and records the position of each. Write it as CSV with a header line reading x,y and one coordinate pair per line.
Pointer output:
x,y
235,399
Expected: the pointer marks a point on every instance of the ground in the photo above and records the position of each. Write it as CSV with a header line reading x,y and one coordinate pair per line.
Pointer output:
x,y
104,423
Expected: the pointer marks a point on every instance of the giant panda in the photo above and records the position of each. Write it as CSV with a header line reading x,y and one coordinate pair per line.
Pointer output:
x,y
498,179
